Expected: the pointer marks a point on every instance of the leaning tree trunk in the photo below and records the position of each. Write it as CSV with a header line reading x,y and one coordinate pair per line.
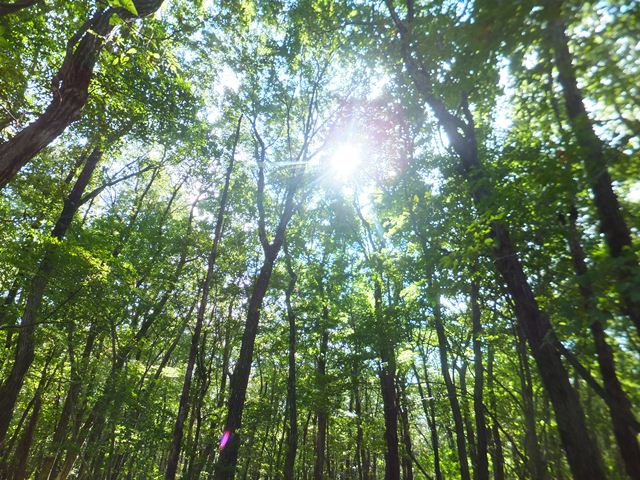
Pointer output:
x,y
25,350
69,89
582,453
92,428
24,445
622,417
612,223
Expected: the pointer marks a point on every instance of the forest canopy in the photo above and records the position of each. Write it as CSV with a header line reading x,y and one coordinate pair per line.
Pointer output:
x,y
319,239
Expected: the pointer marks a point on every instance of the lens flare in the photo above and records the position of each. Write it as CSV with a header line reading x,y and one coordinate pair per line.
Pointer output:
x,y
224,439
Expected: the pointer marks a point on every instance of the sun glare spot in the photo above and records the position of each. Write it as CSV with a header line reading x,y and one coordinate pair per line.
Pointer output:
x,y
344,162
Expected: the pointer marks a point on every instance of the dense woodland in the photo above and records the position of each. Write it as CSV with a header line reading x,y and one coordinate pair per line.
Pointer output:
x,y
319,239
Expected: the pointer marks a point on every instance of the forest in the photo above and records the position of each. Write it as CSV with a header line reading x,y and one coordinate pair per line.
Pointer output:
x,y
319,239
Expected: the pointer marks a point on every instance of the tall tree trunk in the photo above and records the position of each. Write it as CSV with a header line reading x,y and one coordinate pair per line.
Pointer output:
x,y
536,463
49,469
582,453
456,412
321,407
24,355
92,429
24,445
292,434
482,462
406,432
206,459
497,455
230,439
387,373
464,406
429,412
622,417
183,409
360,450
612,223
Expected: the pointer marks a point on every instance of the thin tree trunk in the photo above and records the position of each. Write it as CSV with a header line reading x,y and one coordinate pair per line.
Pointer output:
x,y
430,413
230,440
612,223
360,450
406,432
497,454
24,445
183,409
92,429
292,434
582,453
49,467
322,407
24,355
464,407
536,463
456,412
482,462
387,373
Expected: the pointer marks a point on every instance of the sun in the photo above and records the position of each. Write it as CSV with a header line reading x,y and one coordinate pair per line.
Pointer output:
x,y
344,162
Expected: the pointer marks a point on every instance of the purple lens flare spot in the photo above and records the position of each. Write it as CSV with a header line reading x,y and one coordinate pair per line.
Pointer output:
x,y
224,439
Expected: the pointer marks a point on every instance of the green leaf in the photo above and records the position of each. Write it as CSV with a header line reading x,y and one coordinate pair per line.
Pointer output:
x,y
126,4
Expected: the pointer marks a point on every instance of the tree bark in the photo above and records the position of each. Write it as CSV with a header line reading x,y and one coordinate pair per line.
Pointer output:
x,y
25,349
69,88
612,222
582,454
